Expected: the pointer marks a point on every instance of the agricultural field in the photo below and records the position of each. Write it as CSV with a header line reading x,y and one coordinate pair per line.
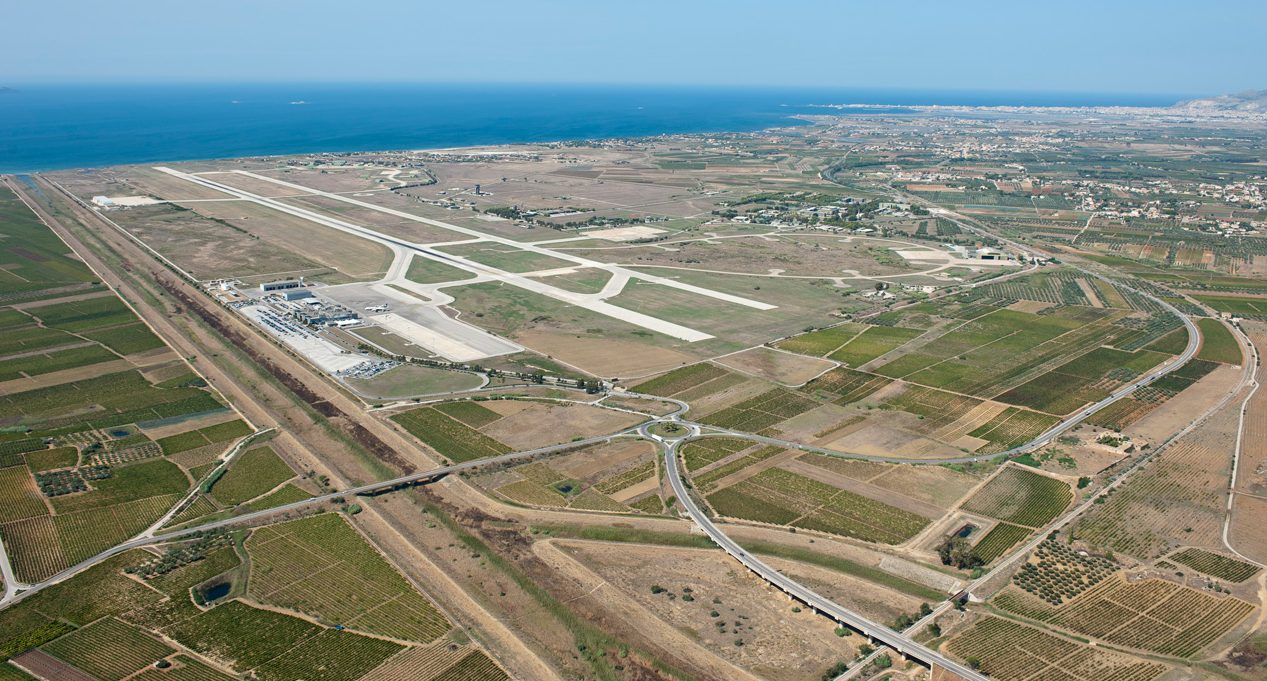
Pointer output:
x,y
321,566
995,352
999,540
780,497
447,435
679,380
1214,564
821,342
255,472
1087,379
108,649
34,259
871,343
1021,497
761,412
1054,574
1154,615
112,504
617,477
846,386
1240,306
194,439
1174,501
1010,651
1217,343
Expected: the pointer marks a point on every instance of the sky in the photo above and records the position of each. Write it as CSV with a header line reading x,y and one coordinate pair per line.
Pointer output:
x,y
1135,46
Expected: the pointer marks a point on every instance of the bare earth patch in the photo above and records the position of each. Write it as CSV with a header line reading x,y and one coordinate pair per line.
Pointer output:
x,y
777,365
541,424
777,642
603,357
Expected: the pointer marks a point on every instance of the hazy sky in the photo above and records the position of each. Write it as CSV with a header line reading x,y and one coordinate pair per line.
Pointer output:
x,y
1158,46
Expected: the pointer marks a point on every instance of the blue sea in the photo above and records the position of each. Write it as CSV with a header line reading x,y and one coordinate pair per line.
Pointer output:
x,y
48,127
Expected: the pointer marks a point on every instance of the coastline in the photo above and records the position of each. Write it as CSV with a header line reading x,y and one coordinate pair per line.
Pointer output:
x,y
49,128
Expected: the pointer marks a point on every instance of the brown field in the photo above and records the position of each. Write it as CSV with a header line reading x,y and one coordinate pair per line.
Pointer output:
x,y
165,186
1175,413
603,357
794,255
207,248
892,433
1176,500
866,489
415,231
775,365
1248,532
540,424
330,179
354,257
594,461
935,485
420,663
249,184
777,643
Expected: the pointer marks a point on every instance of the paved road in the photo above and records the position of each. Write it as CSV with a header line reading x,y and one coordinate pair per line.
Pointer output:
x,y
899,642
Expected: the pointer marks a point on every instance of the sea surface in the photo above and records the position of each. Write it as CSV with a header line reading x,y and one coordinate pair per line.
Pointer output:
x,y
48,127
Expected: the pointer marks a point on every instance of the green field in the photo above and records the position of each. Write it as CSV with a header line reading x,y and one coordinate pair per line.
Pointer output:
x,y
56,360
999,540
286,494
221,432
329,656
845,386
323,567
821,342
758,413
700,453
101,402
506,258
127,339
33,258
995,351
109,649
1012,427
1021,497
83,315
1242,306
448,436
471,413
1215,565
49,459
253,473
428,271
29,337
1217,343
873,342
1087,379
676,381
781,497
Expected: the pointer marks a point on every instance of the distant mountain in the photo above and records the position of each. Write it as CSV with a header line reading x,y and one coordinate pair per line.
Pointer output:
x,y
6,90
1250,100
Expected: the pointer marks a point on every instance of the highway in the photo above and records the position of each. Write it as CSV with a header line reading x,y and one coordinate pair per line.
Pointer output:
x,y
899,642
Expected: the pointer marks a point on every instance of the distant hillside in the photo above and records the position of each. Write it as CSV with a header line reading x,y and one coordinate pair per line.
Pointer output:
x,y
1252,100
